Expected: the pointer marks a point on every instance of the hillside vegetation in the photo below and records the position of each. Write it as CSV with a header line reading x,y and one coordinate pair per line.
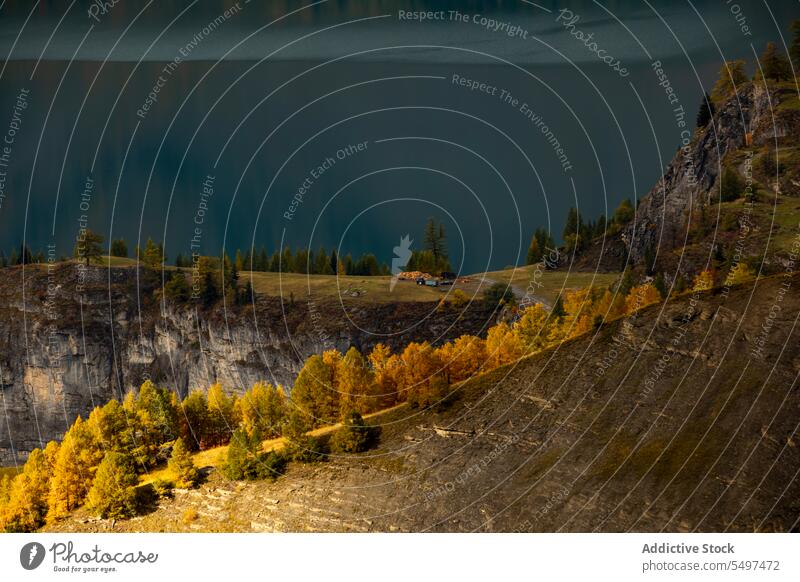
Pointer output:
x,y
702,436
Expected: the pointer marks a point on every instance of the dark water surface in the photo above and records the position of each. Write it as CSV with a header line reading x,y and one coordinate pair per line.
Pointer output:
x,y
256,122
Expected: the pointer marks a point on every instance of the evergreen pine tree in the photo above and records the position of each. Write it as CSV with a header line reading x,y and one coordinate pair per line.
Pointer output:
x,y
182,466
246,461
113,493
571,223
355,436
600,227
178,288
287,261
534,252
660,285
442,240
794,48
275,262
558,307
323,263
153,255
706,112
774,65
301,446
431,239
119,248
89,246
334,262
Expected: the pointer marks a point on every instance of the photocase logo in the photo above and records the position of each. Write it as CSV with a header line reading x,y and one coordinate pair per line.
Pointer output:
x,y
402,254
31,555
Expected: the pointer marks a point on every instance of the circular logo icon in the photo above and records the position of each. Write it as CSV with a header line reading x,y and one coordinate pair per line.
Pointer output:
x,y
31,555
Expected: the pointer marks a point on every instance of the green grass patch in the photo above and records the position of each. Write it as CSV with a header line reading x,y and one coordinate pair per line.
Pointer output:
x,y
549,284
348,288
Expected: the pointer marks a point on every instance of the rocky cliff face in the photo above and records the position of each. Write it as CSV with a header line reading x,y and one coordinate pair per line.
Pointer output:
x,y
64,351
691,179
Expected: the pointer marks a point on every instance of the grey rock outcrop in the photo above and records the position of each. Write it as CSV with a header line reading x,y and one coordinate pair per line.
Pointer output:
x,y
63,352
691,179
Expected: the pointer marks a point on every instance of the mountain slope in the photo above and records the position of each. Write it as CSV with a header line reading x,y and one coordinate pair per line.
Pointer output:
x,y
755,134
684,429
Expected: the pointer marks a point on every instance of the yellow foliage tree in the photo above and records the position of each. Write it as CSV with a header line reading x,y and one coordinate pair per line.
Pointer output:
x,y
609,306
51,454
313,395
263,410
76,462
459,299
356,384
579,313
27,503
422,378
182,466
503,346
223,414
641,296
739,274
703,281
530,328
332,358
110,425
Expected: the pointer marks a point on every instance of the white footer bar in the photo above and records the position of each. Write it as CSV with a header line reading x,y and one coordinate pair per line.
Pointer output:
x,y
386,557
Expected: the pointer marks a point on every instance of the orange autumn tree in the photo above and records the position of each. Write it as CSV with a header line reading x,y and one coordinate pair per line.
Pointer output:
x,y
609,306
579,316
641,296
462,358
422,378
356,384
387,368
332,359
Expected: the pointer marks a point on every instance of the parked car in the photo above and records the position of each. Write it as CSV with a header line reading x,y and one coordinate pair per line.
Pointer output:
x,y
432,283
420,280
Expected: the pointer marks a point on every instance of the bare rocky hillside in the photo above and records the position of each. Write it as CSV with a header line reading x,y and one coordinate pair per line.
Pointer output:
x,y
678,419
